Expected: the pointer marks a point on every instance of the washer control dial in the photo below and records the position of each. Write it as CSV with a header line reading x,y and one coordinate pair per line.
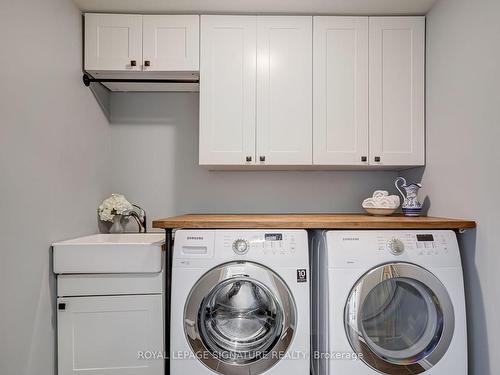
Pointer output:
x,y
396,246
240,246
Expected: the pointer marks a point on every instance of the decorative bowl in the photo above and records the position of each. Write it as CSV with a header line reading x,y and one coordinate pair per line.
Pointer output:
x,y
380,211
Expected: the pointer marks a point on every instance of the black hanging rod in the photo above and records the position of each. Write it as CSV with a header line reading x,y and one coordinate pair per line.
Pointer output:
x,y
87,80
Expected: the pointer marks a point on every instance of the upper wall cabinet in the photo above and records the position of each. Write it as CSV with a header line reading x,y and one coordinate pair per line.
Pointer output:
x,y
171,43
368,91
116,43
113,42
284,90
227,90
397,76
341,90
256,90
324,91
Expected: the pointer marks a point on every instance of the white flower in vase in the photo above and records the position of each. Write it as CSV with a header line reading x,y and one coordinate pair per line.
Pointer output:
x,y
117,204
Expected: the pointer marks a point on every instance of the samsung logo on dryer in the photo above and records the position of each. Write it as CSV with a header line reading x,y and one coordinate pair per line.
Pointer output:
x,y
199,238
350,238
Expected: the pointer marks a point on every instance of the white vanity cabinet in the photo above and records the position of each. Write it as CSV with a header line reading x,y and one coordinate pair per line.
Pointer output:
x,y
104,335
117,43
110,305
256,90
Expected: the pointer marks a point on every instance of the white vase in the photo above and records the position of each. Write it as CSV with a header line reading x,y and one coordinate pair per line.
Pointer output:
x,y
118,224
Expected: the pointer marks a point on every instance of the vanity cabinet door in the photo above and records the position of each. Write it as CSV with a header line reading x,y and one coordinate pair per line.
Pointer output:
x,y
340,61
397,63
113,42
284,90
106,335
171,43
227,90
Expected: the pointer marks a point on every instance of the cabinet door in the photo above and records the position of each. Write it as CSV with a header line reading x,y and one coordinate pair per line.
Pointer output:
x,y
113,42
227,90
284,90
397,54
340,61
106,335
171,43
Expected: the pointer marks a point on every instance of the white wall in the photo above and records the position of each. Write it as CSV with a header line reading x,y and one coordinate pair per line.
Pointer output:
x,y
154,162
348,7
462,176
53,170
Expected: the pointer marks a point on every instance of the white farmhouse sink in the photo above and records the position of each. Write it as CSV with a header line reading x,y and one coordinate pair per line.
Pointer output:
x,y
110,253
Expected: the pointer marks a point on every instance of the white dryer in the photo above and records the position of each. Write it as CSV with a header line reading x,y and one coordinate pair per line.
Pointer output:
x,y
240,302
389,302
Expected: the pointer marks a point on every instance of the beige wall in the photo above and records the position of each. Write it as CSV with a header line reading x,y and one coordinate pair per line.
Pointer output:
x,y
462,176
53,170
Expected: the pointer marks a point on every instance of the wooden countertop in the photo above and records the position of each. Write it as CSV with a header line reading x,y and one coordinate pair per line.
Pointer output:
x,y
309,221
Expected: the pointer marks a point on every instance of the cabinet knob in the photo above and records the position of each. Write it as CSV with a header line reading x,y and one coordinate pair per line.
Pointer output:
x,y
249,158
262,158
133,63
377,159
147,63
61,306
364,158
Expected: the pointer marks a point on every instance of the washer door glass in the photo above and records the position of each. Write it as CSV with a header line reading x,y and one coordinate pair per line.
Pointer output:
x,y
240,320
399,316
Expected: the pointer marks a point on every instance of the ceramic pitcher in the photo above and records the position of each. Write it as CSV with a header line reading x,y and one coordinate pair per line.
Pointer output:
x,y
411,206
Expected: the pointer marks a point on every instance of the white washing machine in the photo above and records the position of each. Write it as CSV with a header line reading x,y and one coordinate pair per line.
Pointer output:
x,y
240,302
389,302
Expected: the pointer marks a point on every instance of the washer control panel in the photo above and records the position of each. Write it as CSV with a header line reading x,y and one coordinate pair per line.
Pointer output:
x,y
206,248
240,246
262,243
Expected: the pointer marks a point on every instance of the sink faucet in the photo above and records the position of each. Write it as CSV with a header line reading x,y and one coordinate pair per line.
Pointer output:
x,y
139,216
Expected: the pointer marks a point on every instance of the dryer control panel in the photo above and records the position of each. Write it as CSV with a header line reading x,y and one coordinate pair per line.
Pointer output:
x,y
262,243
419,243
354,248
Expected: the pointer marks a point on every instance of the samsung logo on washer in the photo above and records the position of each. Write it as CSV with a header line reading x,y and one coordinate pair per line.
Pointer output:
x,y
350,238
195,238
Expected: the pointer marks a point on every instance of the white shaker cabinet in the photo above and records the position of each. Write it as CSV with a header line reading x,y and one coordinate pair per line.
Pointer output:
x,y
116,43
397,75
113,42
227,90
340,91
171,42
256,90
284,90
106,335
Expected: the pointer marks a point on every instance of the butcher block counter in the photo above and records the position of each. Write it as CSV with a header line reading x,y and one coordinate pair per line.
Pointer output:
x,y
309,221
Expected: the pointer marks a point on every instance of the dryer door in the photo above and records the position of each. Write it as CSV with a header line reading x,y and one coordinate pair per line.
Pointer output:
x,y
239,318
400,317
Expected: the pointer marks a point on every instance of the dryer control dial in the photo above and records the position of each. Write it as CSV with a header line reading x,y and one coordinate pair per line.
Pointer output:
x,y
396,246
240,246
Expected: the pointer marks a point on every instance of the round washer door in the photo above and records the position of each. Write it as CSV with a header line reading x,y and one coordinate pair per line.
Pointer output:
x,y
400,318
239,318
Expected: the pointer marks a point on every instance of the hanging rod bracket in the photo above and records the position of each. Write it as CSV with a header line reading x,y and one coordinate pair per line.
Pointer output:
x,y
87,80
